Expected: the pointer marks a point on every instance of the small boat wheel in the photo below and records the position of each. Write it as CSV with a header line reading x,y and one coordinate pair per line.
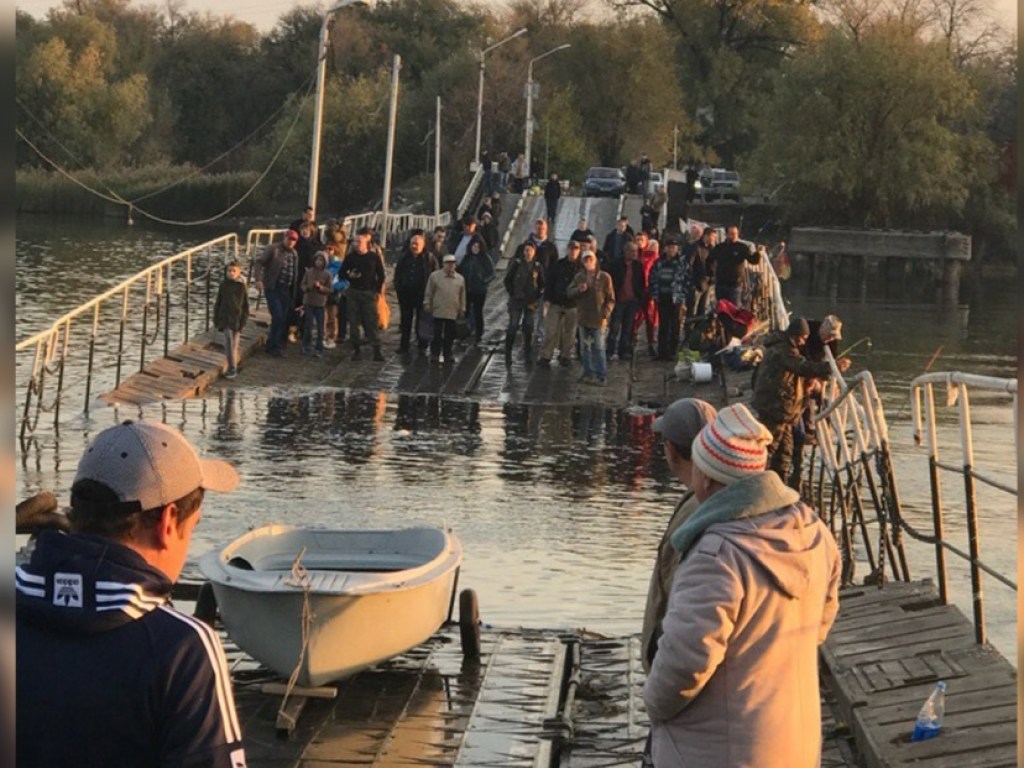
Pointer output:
x,y
469,623
206,604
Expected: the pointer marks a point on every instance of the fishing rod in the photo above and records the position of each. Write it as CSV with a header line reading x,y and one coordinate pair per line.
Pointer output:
x,y
849,349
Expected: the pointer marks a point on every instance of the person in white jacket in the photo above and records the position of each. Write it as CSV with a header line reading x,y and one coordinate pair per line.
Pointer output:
x,y
734,683
445,299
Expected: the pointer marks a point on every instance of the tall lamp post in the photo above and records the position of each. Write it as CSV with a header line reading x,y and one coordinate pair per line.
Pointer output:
x,y
480,92
318,110
529,100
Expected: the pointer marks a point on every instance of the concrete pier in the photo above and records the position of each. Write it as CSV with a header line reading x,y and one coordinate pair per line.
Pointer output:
x,y
898,260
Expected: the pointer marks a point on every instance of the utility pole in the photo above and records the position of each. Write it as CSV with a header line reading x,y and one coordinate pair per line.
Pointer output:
x,y
392,118
529,103
437,164
318,105
480,89
547,147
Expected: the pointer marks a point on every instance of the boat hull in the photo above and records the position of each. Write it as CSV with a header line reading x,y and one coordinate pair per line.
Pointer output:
x,y
356,619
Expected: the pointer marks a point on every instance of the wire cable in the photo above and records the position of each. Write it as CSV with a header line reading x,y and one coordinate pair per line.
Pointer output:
x,y
113,197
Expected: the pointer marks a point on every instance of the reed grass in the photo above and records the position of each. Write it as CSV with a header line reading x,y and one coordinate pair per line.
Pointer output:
x,y
41,191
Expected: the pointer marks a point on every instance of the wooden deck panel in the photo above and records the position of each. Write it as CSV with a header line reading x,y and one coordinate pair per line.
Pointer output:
x,y
882,658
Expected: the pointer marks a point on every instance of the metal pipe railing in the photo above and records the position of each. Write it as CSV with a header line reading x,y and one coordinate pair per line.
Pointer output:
x,y
86,347
853,451
922,400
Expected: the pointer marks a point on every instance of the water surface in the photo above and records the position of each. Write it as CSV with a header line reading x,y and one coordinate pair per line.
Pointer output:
x,y
560,508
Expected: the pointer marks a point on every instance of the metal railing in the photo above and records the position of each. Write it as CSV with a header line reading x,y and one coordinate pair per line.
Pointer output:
x,y
854,458
95,343
922,399
503,257
470,194
397,224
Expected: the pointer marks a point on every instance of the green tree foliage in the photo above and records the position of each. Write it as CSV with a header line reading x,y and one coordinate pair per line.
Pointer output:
x,y
209,71
726,54
875,131
871,112
625,104
67,89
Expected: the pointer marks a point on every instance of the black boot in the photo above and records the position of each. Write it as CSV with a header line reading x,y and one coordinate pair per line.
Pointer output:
x,y
378,356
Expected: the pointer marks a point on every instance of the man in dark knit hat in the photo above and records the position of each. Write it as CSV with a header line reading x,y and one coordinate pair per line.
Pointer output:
x,y
781,388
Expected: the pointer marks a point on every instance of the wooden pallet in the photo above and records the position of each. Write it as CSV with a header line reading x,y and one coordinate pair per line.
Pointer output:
x,y
887,649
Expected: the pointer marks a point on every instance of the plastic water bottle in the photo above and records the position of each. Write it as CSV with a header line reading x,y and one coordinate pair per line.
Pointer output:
x,y
929,719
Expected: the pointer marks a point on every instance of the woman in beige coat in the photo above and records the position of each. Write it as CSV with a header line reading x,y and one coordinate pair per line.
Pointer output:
x,y
734,683
445,299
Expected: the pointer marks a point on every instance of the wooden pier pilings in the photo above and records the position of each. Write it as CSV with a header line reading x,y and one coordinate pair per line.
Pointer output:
x,y
842,258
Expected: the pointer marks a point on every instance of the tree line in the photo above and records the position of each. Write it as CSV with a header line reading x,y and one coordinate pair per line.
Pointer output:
x,y
886,113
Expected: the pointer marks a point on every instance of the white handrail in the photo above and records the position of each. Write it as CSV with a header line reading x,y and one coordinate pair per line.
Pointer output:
x,y
958,384
228,240
470,191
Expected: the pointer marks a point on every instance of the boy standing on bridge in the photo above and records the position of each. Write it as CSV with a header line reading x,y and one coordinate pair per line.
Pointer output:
x,y
230,313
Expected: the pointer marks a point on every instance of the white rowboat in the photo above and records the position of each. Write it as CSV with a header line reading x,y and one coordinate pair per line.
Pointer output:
x,y
368,595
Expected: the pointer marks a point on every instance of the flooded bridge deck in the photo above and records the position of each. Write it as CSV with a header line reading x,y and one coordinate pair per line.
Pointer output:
x,y
549,698
535,699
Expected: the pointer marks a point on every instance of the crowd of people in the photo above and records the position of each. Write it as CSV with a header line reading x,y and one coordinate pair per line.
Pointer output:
x,y
591,304
745,581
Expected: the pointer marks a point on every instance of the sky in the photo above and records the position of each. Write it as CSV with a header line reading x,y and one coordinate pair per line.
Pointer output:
x,y
263,14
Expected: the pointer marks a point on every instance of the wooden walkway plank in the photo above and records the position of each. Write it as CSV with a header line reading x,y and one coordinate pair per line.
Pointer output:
x,y
881,660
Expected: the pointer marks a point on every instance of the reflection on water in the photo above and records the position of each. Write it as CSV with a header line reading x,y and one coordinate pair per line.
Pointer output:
x,y
559,508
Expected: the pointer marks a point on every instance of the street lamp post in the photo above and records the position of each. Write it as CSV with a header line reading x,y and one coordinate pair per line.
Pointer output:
x,y
480,91
318,110
396,68
529,100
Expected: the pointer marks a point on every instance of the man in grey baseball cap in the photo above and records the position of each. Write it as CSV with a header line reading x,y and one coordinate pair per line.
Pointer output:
x,y
677,427
107,668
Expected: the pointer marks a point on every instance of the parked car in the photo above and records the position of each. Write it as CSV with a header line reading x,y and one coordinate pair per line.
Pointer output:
x,y
719,184
604,181
655,180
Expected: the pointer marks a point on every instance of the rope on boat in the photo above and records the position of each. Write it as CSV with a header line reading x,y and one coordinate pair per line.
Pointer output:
x,y
299,578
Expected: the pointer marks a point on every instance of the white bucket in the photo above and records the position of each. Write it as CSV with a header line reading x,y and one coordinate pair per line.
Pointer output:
x,y
701,372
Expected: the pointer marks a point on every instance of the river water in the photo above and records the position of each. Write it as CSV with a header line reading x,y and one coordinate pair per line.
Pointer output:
x,y
559,508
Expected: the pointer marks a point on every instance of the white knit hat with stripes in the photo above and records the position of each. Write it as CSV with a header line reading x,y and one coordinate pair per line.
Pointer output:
x,y
732,446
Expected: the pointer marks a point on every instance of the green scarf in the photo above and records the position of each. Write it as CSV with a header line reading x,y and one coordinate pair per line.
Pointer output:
x,y
752,496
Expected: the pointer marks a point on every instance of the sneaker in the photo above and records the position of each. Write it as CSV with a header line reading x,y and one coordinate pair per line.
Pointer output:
x,y
231,375
356,355
307,351
328,344
586,378
543,362
319,353
378,356
595,382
